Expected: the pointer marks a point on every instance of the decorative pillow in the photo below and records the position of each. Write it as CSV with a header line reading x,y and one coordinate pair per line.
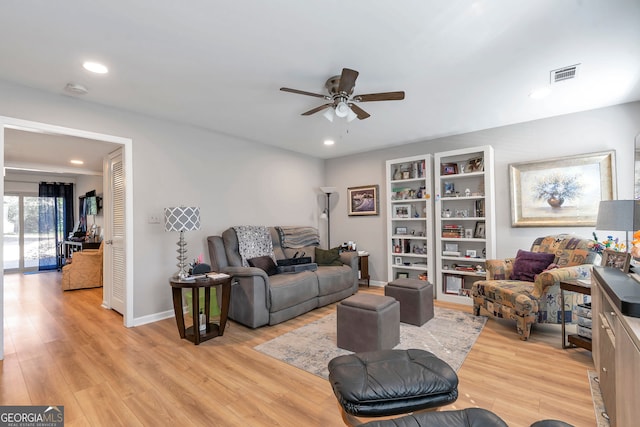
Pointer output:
x,y
265,263
330,257
529,264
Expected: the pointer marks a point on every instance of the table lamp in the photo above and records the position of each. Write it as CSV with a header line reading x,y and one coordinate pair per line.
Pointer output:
x,y
182,219
619,215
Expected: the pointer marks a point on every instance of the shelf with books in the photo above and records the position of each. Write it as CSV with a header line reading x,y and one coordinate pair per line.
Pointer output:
x,y
464,234
410,217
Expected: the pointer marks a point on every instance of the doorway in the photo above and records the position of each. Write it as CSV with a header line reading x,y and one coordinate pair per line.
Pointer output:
x,y
20,233
127,145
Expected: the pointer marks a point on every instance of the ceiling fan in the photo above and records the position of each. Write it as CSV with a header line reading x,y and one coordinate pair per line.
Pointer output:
x,y
343,102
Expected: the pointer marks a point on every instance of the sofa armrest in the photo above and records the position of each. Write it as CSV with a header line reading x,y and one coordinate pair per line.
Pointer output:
x,y
250,296
499,269
245,272
350,258
552,277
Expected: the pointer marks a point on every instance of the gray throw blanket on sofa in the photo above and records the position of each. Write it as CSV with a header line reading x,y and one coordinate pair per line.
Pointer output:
x,y
253,241
298,237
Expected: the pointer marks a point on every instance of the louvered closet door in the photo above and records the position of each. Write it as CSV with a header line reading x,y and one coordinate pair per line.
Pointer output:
x,y
115,234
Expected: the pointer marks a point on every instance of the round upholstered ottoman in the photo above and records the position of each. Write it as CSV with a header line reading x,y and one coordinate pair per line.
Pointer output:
x,y
391,382
415,298
367,322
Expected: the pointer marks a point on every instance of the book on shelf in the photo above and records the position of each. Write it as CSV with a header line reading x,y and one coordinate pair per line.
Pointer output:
x,y
452,234
450,253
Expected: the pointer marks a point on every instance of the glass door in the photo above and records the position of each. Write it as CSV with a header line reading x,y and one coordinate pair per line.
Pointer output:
x,y
21,237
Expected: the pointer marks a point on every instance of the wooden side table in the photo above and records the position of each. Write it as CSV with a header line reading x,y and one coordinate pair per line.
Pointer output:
x,y
213,330
363,266
575,340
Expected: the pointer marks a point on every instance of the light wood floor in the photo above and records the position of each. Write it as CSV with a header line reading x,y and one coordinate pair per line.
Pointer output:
x,y
64,349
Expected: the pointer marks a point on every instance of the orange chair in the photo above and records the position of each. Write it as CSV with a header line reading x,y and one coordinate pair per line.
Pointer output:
x,y
85,270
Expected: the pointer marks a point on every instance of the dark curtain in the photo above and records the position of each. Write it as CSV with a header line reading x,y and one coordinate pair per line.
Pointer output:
x,y
55,220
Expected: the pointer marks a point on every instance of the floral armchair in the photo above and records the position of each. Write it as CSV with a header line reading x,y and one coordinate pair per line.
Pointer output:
x,y
536,299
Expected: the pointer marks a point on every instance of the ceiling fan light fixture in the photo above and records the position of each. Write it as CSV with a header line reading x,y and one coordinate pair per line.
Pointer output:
x,y
351,116
342,109
329,114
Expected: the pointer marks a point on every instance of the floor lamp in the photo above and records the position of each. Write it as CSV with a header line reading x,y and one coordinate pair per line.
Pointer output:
x,y
619,215
326,213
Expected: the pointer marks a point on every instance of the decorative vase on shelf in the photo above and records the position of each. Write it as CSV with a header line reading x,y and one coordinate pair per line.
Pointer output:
x,y
555,202
397,175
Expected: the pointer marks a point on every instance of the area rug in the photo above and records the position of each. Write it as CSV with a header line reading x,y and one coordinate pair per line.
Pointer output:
x,y
598,403
449,335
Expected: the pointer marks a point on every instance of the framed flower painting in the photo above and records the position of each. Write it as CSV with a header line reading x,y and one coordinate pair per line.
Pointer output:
x,y
564,191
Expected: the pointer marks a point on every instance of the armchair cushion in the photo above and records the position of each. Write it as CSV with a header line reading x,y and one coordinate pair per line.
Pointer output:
x,y
529,264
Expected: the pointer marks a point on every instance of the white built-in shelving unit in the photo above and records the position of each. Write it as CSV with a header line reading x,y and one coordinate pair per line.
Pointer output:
x,y
410,217
465,220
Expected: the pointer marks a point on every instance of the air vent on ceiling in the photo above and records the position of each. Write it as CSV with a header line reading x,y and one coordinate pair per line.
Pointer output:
x,y
564,73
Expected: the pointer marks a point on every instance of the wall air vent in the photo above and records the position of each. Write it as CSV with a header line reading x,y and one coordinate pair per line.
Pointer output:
x,y
564,73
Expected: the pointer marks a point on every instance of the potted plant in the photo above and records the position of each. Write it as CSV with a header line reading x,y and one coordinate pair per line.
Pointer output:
x,y
558,188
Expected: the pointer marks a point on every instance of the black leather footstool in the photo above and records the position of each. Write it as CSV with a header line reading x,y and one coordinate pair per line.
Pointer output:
x,y
391,382
470,417
550,423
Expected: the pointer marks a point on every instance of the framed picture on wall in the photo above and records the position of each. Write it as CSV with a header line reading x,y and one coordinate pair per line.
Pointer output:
x,y
363,200
564,191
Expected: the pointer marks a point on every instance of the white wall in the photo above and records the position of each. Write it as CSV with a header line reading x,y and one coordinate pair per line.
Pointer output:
x,y
612,128
233,181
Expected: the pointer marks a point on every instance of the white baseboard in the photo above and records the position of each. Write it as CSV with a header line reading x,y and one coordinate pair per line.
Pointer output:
x,y
139,321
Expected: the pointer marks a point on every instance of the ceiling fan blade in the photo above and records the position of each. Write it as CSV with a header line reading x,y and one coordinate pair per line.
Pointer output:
x,y
385,96
315,110
302,92
359,112
347,81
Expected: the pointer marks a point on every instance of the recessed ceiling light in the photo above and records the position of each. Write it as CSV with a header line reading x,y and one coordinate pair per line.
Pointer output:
x,y
329,142
540,92
77,162
95,67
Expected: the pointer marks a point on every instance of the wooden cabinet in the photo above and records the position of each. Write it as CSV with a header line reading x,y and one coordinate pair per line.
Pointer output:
x,y
465,220
616,346
409,218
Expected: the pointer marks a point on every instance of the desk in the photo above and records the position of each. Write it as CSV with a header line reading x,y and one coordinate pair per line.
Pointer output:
x,y
212,329
575,340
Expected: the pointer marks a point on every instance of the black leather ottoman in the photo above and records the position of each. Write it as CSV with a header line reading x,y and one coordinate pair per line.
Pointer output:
x,y
391,382
470,417
550,423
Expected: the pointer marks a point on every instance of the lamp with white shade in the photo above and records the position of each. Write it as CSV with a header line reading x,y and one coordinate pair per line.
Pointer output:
x,y
182,219
326,214
619,215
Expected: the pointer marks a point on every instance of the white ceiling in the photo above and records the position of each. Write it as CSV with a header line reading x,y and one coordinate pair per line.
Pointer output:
x,y
464,65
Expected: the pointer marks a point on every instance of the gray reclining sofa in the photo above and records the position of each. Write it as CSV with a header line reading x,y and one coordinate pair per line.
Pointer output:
x,y
258,299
